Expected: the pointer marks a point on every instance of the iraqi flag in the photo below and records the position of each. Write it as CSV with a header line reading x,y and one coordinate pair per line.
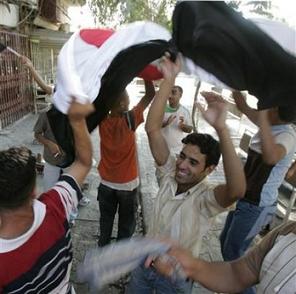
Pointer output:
x,y
92,57
218,45
96,66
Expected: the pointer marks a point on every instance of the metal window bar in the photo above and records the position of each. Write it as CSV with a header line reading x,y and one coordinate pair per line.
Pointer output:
x,y
16,95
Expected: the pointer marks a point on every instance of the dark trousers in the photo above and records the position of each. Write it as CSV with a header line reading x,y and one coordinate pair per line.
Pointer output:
x,y
109,201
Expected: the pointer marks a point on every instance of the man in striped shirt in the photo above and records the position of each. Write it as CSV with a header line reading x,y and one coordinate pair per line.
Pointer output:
x,y
35,242
270,265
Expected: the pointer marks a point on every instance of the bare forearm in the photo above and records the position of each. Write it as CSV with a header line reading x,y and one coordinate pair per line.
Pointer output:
x,y
217,276
41,139
292,168
244,108
83,147
149,93
267,140
156,111
233,168
46,88
271,151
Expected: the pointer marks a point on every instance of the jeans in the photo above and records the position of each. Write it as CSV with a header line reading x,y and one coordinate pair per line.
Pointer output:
x,y
148,281
109,201
238,224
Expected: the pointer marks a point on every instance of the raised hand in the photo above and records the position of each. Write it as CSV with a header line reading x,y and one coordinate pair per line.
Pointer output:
x,y
215,114
169,68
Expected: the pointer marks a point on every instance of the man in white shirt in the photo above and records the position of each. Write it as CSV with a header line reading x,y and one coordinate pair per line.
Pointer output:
x,y
186,203
176,121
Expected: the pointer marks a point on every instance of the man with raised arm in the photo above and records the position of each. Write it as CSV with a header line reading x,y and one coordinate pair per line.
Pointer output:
x,y
35,241
186,203
118,167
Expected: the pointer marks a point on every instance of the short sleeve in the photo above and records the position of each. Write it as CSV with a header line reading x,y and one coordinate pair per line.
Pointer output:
x,y
69,193
255,256
209,205
166,169
287,140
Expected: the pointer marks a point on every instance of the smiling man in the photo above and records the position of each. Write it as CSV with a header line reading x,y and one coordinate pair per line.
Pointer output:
x,y
186,203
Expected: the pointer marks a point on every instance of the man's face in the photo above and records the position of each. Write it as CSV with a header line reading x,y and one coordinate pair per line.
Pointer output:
x,y
190,167
174,97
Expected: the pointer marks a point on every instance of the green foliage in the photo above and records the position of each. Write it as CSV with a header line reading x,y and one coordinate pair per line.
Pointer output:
x,y
116,12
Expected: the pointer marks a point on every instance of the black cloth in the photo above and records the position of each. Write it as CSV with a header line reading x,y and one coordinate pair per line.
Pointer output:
x,y
124,67
236,51
216,38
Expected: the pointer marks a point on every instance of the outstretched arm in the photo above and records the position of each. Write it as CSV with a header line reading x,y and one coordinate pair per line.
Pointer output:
x,y
224,277
235,185
149,94
28,63
82,164
240,101
154,120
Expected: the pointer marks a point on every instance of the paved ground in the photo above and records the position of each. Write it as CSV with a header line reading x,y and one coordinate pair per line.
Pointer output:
x,y
86,226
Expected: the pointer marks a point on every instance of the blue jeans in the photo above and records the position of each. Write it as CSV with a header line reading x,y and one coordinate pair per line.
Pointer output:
x,y
147,281
109,201
239,223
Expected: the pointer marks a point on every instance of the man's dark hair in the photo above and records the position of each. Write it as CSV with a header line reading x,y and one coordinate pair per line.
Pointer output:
x,y
287,113
207,145
17,177
180,89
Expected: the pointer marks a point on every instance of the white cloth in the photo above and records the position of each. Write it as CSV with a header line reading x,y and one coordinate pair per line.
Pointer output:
x,y
104,265
129,186
172,132
81,65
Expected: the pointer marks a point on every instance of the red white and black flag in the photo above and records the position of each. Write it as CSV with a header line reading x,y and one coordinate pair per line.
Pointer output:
x,y
216,43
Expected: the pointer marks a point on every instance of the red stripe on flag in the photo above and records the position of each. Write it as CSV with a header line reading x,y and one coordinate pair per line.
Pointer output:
x,y
95,36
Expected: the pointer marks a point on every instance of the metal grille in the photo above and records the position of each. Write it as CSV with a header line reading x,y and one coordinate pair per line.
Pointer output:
x,y
16,95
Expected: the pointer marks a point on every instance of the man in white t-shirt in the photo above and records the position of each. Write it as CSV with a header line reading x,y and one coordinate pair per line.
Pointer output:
x,y
176,121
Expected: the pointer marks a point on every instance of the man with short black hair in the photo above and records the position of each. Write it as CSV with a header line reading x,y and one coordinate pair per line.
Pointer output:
x,y
186,203
118,167
35,241
176,120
